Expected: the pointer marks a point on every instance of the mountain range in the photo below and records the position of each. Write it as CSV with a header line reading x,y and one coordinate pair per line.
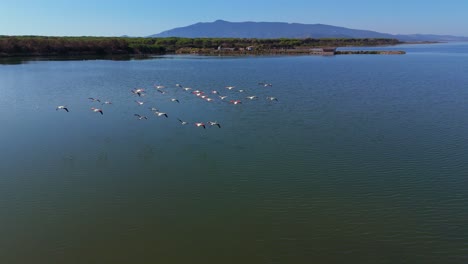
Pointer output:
x,y
226,29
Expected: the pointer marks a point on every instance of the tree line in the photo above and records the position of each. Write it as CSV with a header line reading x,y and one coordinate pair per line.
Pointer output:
x,y
36,45
172,44
39,45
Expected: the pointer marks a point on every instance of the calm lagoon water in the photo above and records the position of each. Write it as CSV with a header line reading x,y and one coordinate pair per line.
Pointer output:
x,y
364,159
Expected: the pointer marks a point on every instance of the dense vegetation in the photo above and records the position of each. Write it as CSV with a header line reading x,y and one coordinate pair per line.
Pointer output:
x,y
34,45
37,45
173,44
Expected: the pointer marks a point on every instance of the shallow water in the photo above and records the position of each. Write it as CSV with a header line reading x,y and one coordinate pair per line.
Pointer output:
x,y
362,160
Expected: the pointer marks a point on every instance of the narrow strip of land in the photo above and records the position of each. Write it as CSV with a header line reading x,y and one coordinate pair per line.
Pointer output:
x,y
11,46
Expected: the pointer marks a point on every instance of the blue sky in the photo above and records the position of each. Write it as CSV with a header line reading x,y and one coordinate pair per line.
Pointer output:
x,y
146,17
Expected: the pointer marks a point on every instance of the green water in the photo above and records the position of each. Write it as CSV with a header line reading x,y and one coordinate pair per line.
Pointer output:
x,y
362,160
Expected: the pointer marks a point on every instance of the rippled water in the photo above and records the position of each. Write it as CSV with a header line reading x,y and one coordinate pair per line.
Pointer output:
x,y
362,160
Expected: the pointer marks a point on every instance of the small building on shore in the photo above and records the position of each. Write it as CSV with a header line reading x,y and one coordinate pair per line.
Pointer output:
x,y
324,51
222,48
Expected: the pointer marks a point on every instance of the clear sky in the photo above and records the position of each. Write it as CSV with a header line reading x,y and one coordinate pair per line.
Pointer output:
x,y
146,17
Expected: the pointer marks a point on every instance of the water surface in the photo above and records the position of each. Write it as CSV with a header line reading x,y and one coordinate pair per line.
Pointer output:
x,y
362,160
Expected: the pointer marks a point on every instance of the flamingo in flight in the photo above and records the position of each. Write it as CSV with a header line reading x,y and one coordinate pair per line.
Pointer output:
x,y
264,84
94,99
182,122
96,110
211,123
64,107
159,114
139,91
200,125
140,117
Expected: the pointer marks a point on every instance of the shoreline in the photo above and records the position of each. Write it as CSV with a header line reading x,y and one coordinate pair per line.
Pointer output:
x,y
117,48
124,57
291,52
203,52
43,46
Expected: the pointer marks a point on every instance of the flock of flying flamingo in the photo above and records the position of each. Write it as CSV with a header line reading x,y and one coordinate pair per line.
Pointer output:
x,y
141,92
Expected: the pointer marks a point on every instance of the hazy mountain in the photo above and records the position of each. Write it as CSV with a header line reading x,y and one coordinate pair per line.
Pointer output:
x,y
221,28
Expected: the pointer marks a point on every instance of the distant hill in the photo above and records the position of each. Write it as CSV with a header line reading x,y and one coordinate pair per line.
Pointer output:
x,y
225,29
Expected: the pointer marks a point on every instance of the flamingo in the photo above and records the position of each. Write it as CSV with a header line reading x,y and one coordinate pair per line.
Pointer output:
x,y
214,123
95,110
139,91
200,125
182,122
159,114
264,84
140,117
64,107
